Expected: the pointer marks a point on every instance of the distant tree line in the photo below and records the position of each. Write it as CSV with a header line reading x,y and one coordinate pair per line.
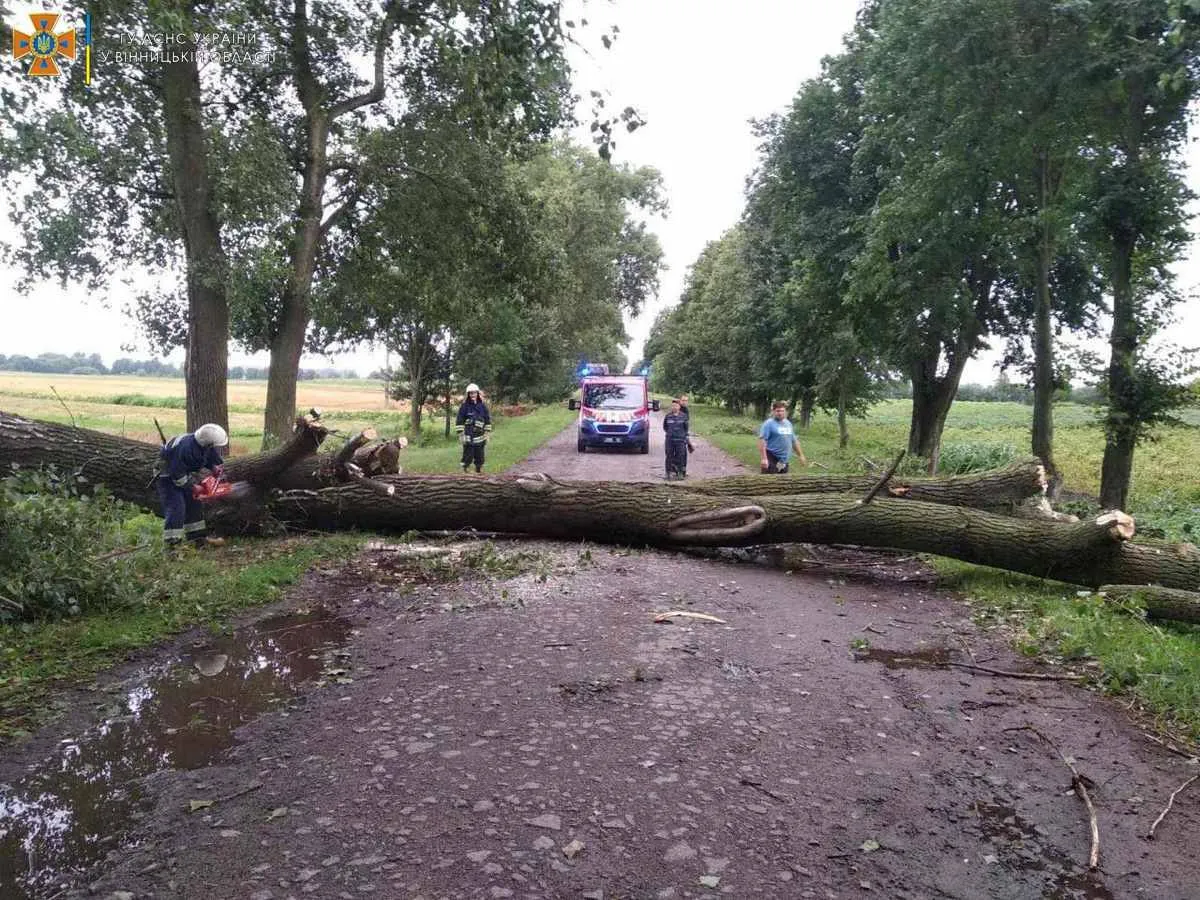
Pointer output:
x,y
965,174
93,364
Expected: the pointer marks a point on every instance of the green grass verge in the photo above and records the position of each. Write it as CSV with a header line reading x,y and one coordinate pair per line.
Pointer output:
x,y
205,589
513,438
1156,664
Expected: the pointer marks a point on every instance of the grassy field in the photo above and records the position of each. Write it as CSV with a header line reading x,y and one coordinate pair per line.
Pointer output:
x,y
128,406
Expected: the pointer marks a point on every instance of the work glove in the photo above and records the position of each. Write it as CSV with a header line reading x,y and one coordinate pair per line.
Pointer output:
x,y
691,447
218,472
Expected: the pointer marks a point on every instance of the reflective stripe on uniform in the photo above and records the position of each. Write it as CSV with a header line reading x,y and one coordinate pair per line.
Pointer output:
x,y
182,480
172,534
193,527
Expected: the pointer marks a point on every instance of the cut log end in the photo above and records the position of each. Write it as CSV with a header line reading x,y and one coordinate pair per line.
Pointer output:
x,y
370,434
1120,525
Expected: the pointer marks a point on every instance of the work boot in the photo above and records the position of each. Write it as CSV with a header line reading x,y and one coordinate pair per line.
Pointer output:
x,y
213,542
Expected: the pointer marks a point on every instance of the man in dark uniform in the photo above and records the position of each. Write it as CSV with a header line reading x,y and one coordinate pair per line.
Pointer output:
x,y
675,424
179,461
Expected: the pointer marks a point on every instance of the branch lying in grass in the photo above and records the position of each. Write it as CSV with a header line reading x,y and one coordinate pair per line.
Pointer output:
x,y
1078,783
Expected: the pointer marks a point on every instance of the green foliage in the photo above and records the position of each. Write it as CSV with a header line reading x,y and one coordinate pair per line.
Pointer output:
x,y
63,553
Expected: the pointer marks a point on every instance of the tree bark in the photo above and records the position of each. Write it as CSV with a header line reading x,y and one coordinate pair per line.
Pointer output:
x,y
843,431
126,467
982,490
1159,602
1120,424
808,401
207,358
932,396
1043,343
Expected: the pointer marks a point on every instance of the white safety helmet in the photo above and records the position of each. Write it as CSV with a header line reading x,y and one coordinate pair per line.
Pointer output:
x,y
472,387
211,435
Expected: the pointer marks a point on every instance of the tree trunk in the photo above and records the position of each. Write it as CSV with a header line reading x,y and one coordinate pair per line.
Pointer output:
x,y
808,400
1121,420
932,396
126,467
1158,602
1085,553
206,365
843,431
1043,342
992,490
448,410
288,342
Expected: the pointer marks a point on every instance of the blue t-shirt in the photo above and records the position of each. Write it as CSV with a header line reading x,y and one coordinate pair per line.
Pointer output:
x,y
778,436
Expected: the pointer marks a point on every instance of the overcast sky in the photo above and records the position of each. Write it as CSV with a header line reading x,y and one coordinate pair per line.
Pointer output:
x,y
697,71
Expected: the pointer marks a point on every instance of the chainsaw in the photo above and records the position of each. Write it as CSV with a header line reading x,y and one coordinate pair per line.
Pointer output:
x,y
215,488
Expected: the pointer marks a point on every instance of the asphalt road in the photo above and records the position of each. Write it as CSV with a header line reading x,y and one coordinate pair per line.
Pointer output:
x,y
560,457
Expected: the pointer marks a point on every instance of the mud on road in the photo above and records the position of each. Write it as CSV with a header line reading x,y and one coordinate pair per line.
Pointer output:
x,y
511,721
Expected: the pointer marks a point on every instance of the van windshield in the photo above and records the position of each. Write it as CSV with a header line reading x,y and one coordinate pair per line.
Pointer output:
x,y
613,396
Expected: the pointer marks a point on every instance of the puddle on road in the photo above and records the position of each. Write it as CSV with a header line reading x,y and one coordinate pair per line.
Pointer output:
x,y
934,657
1023,848
76,806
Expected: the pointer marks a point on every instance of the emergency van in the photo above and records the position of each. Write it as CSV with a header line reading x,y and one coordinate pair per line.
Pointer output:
x,y
614,410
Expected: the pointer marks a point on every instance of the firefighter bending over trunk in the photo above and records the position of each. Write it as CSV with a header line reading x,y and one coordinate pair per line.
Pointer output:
x,y
180,460
474,427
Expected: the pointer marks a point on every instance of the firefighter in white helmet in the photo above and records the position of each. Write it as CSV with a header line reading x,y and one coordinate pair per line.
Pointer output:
x,y
180,461
474,427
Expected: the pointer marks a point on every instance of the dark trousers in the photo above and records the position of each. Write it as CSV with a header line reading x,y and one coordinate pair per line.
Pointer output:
x,y
775,465
473,453
183,515
677,453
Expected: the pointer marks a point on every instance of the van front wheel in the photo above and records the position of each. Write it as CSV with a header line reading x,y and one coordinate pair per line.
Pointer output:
x,y
581,446
645,447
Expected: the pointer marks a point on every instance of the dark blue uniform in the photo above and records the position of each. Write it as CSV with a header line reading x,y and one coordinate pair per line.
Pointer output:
x,y
178,460
676,427
474,427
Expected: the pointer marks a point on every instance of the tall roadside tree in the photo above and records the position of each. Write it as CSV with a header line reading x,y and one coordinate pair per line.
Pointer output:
x,y
806,212
103,180
500,65
1146,61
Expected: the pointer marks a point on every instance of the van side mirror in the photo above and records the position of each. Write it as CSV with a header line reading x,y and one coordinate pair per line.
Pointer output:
x,y
654,405
572,404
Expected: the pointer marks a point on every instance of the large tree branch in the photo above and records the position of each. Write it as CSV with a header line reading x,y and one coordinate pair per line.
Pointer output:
x,y
375,94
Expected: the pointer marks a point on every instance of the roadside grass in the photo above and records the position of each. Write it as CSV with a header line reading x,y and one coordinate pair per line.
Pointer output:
x,y
204,589
1156,665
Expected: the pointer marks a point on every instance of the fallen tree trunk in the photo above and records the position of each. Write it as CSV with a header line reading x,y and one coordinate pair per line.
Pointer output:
x,y
126,467
983,490
1159,602
1086,553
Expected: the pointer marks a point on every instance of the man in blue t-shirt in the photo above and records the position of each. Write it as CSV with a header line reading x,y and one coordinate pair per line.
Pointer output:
x,y
776,438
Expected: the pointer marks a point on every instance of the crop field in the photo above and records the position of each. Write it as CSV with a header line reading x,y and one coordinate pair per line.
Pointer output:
x,y
128,406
